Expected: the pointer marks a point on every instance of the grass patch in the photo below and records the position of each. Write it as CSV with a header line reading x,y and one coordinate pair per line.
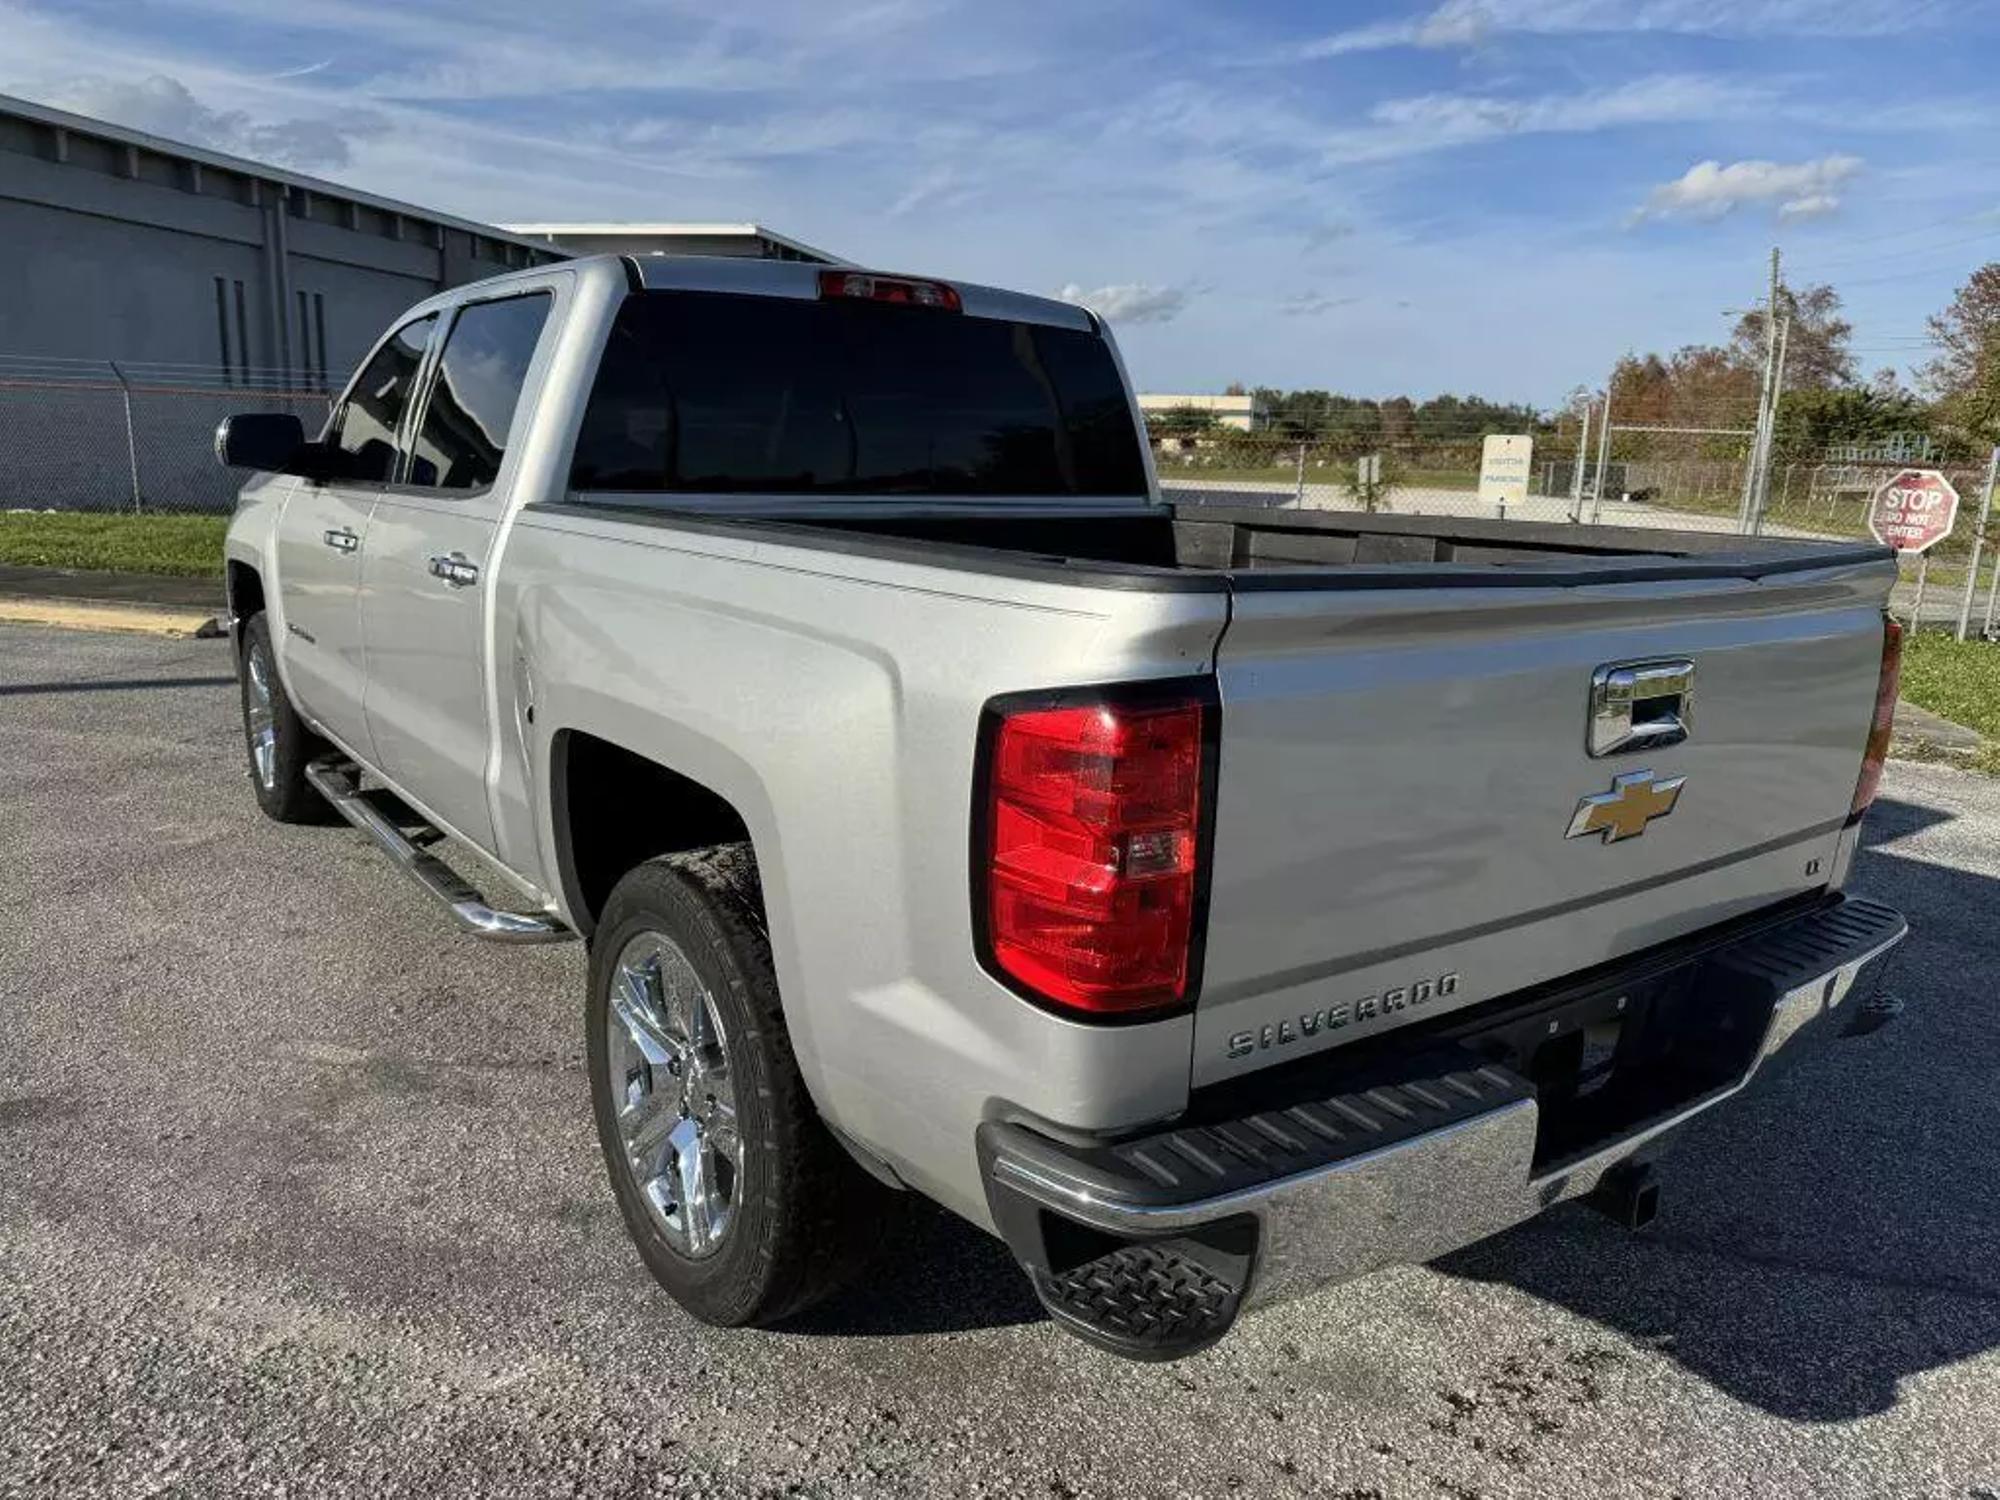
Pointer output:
x,y
187,546
1959,679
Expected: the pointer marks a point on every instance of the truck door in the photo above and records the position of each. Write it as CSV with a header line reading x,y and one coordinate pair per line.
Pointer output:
x,y
430,545
324,533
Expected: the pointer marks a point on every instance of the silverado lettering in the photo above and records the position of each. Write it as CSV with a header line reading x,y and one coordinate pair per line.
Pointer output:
x,y
1333,1017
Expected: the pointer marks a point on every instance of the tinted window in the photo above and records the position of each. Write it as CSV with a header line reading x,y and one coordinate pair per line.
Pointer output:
x,y
716,393
470,409
373,412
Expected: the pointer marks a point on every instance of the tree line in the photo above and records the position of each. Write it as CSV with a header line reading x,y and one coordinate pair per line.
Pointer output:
x,y
1825,402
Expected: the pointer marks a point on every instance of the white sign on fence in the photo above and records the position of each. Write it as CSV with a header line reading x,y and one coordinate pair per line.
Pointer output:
x,y
1504,462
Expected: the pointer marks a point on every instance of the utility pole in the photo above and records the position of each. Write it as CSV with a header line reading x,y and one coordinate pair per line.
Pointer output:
x,y
1770,428
1603,446
1582,455
1746,516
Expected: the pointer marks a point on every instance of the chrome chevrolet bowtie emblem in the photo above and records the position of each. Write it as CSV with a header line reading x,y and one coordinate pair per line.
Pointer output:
x,y
1634,800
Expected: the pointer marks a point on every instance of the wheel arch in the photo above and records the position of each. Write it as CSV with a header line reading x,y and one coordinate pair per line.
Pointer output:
x,y
244,590
611,808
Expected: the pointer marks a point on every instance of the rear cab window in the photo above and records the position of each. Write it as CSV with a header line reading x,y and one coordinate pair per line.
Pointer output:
x,y
469,412
718,393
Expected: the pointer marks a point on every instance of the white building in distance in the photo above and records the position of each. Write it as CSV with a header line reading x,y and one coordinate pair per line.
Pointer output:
x,y
1244,413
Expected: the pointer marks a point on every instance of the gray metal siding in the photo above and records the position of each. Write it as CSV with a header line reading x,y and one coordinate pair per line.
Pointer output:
x,y
113,248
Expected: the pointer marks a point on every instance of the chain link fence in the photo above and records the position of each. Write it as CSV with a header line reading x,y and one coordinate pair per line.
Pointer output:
x,y
1649,480
107,436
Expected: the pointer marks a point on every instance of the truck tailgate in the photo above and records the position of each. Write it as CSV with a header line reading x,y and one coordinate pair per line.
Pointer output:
x,y
1400,769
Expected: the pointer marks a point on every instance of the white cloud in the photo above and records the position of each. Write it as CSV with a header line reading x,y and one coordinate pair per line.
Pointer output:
x,y
1708,190
1435,122
1812,206
1312,304
1456,23
1129,302
1469,23
165,106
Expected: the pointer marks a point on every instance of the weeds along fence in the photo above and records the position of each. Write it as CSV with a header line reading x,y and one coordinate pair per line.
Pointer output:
x,y
108,436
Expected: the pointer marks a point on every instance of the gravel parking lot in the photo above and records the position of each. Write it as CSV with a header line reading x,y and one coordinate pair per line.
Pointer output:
x,y
298,1193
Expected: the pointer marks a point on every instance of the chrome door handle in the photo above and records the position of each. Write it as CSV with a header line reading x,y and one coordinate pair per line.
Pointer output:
x,y
455,570
342,540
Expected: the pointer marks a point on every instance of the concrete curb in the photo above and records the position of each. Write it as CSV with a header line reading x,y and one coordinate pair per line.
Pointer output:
x,y
78,599
89,614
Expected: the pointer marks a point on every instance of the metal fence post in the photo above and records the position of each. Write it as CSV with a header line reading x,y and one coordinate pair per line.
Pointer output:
x,y
1582,460
1299,479
1992,594
1978,542
131,439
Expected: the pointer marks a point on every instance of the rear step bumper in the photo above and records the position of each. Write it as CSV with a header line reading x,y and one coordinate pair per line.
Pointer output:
x,y
340,783
1151,1245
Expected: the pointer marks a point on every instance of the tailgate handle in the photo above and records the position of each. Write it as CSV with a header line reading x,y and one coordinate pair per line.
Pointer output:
x,y
1640,705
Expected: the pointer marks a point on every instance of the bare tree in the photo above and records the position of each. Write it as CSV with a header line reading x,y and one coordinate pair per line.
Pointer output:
x,y
1816,352
1965,331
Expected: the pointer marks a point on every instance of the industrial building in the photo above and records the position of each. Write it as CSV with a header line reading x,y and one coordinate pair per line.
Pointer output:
x,y
147,285
125,246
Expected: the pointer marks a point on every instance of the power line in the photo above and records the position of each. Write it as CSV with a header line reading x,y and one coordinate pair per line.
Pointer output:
x,y
1815,267
1957,268
1907,229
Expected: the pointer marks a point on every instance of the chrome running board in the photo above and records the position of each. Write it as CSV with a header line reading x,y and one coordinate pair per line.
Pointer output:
x,y
340,783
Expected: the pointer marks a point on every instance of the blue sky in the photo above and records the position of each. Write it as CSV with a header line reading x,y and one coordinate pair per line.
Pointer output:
x,y
1488,195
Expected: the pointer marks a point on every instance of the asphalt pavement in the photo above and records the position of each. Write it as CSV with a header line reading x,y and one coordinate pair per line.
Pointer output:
x,y
299,1194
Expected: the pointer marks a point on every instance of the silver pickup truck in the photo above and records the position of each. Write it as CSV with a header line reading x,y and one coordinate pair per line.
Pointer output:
x,y
1211,903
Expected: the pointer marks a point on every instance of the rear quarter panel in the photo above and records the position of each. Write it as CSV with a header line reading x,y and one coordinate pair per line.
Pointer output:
x,y
834,700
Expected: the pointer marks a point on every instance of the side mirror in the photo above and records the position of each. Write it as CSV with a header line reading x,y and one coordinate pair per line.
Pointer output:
x,y
274,442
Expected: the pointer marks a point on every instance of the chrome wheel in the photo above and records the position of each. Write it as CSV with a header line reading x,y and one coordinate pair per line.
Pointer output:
x,y
672,1093
260,720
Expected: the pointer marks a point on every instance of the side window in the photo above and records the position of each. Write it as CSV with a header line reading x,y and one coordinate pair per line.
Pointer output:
x,y
470,410
365,432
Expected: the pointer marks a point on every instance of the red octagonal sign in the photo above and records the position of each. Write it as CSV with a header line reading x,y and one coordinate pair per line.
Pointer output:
x,y
1914,510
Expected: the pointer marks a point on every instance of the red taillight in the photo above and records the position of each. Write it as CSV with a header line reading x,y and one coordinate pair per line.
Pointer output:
x,y
1884,723
866,286
1090,871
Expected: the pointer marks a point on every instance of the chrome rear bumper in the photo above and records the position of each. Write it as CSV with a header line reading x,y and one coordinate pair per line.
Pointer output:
x,y
1414,1168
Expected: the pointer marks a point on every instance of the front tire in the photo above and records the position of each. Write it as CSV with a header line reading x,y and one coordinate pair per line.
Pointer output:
x,y
740,1201
276,739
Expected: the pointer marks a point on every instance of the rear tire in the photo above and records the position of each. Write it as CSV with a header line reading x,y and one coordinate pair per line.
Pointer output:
x,y
740,1201
275,738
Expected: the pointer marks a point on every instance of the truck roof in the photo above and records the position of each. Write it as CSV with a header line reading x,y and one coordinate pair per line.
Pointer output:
x,y
746,277
784,278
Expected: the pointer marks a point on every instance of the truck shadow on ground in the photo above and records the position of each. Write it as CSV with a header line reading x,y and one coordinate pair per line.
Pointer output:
x,y
935,1273
1834,1229
1824,1236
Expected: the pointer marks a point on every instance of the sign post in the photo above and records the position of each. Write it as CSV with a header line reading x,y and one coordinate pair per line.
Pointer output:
x,y
1504,466
1912,511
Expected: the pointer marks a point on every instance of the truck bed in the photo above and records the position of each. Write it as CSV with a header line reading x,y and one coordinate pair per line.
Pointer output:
x,y
1405,747
1216,546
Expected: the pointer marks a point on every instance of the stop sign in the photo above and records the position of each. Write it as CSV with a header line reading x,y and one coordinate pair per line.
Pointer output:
x,y
1914,510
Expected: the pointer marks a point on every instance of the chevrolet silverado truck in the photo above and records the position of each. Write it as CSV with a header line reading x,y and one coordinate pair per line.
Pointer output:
x,y
1211,903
